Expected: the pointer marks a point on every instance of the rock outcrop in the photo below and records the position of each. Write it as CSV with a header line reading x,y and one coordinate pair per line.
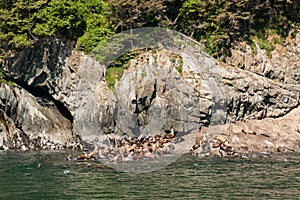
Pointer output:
x,y
248,138
62,93
48,74
250,96
28,122
152,96
283,65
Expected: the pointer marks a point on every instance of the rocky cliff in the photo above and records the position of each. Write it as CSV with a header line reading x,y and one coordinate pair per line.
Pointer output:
x,y
281,66
60,93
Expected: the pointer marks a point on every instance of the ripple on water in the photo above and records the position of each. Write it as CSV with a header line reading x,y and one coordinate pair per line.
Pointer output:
x,y
273,177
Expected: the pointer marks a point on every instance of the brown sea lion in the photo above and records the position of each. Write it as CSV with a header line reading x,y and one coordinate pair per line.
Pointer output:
x,y
149,155
170,135
68,157
82,156
129,148
220,138
94,153
139,156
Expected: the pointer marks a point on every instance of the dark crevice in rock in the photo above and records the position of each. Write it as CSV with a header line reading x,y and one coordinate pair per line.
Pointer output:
x,y
44,97
153,96
40,78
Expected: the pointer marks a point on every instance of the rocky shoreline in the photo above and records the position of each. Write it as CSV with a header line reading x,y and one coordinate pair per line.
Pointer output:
x,y
267,135
240,139
56,89
23,143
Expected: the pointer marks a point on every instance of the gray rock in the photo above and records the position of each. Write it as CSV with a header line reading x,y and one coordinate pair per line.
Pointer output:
x,y
66,92
153,97
283,65
23,118
267,135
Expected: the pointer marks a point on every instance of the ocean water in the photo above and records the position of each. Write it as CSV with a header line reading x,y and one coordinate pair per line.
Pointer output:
x,y
46,175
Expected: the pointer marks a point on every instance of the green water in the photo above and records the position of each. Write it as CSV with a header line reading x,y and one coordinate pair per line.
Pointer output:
x,y
42,175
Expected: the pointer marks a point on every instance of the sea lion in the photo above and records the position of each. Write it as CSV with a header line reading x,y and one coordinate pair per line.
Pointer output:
x,y
94,153
152,147
145,145
68,157
102,155
216,144
170,135
138,149
115,159
149,155
82,156
248,131
139,156
196,144
203,139
220,138
163,141
132,148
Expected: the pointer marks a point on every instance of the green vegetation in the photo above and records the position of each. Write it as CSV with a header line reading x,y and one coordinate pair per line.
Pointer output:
x,y
178,61
173,59
112,75
4,79
116,69
179,67
22,23
144,74
218,25
267,40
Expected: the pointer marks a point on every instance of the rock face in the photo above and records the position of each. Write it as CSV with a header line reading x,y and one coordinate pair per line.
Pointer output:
x,y
62,93
30,123
48,74
245,138
152,96
282,66
250,96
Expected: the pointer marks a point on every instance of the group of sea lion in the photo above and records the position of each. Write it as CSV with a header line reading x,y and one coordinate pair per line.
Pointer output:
x,y
126,149
223,145
203,143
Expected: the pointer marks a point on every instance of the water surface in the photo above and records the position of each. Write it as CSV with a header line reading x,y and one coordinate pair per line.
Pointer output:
x,y
45,175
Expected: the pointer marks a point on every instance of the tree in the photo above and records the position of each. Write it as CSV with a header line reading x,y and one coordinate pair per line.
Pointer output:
x,y
137,13
24,22
16,24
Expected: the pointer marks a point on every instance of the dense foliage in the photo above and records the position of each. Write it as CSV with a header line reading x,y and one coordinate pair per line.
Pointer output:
x,y
221,23
23,22
218,24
